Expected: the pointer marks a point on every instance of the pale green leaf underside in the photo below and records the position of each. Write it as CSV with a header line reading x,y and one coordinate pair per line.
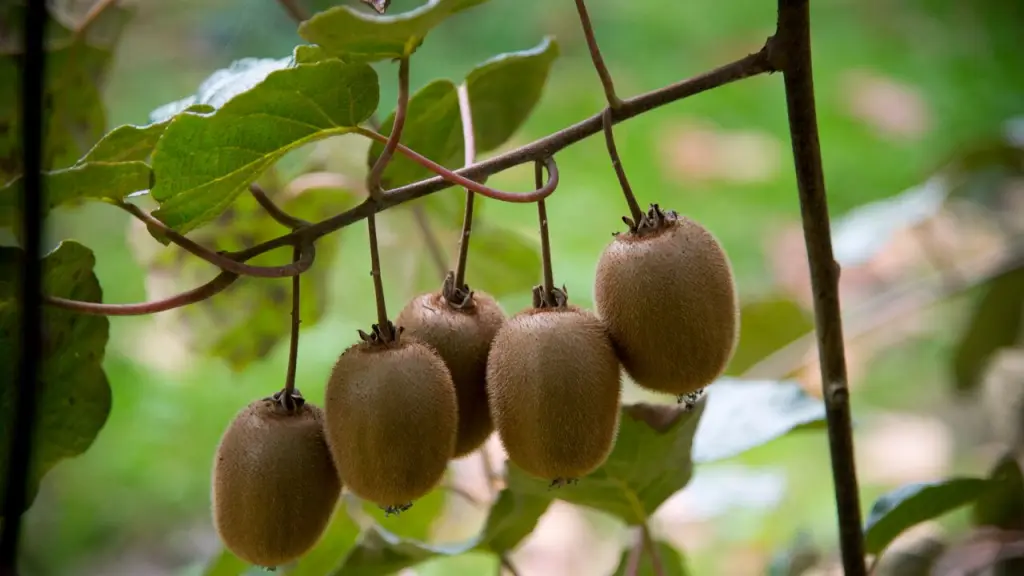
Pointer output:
x,y
359,36
203,162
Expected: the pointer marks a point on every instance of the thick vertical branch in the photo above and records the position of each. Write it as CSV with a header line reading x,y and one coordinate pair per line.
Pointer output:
x,y
791,52
29,289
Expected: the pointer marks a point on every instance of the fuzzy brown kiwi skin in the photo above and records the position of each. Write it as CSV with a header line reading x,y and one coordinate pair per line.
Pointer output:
x,y
391,416
462,337
669,301
274,483
554,385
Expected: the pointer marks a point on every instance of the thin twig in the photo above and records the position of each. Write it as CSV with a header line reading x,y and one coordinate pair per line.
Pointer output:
x,y
295,10
651,547
620,172
378,284
545,242
374,179
208,290
433,246
293,345
791,50
274,210
455,177
28,359
595,56
469,149
220,260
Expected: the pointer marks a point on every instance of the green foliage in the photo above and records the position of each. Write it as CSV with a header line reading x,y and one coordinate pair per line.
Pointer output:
x,y
1002,505
338,539
417,522
505,89
432,127
996,322
767,325
512,264
912,504
744,414
359,37
203,162
672,563
74,397
127,143
76,69
245,322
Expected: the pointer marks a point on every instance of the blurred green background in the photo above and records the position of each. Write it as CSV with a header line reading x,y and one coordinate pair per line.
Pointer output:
x,y
901,85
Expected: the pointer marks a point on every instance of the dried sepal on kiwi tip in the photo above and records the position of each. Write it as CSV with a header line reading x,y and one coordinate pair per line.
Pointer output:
x,y
286,403
377,337
654,220
395,509
458,297
557,298
559,482
690,399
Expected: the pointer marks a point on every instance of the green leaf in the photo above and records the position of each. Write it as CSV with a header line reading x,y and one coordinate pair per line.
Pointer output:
x,y
672,562
358,36
415,523
912,504
74,395
512,517
504,90
995,323
433,127
94,180
246,321
766,326
649,463
226,564
126,143
502,261
1002,503
744,414
337,541
203,162
76,70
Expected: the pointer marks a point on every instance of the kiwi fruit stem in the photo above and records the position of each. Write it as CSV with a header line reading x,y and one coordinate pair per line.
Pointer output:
x,y
383,329
620,172
546,295
293,347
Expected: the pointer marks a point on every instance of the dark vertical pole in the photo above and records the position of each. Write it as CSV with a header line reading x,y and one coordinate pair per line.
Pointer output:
x,y
28,358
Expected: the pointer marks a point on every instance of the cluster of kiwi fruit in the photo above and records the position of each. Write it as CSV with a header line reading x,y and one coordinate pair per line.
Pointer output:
x,y
413,395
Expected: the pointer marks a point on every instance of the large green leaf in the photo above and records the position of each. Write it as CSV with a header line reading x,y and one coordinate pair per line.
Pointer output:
x,y
358,36
744,414
767,325
129,142
94,180
76,69
504,90
203,162
247,321
73,399
995,323
433,127
511,519
1002,505
672,562
649,463
912,504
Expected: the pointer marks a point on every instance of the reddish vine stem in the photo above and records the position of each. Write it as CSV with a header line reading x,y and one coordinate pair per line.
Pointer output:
x,y
378,283
456,178
620,172
545,242
220,260
373,180
295,10
208,290
595,56
469,147
293,345
791,52
275,211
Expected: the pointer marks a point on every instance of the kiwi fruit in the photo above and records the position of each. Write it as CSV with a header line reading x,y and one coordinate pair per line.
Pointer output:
x,y
390,416
553,384
665,290
274,483
461,332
